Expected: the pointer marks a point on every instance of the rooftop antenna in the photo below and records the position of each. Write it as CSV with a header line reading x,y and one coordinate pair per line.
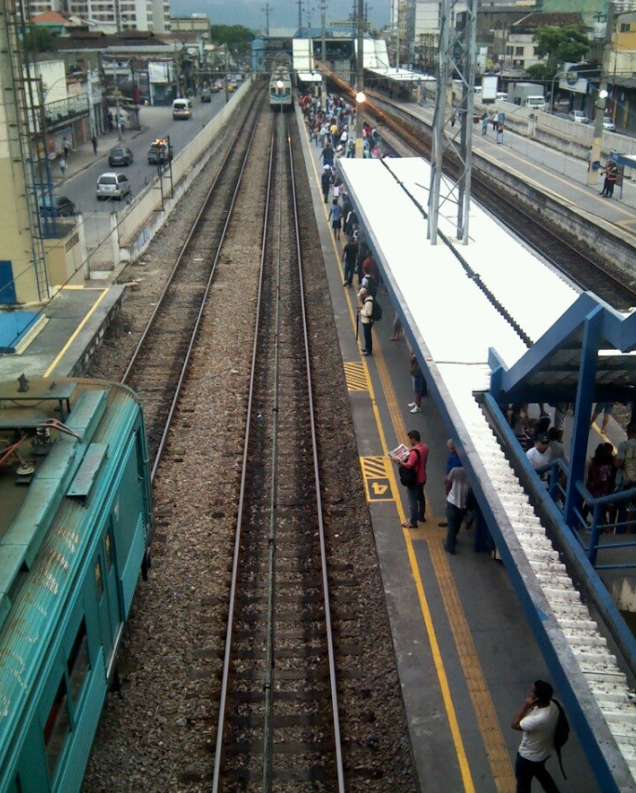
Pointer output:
x,y
299,3
267,9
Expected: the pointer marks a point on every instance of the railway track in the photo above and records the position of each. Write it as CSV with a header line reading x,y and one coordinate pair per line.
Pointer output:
x,y
159,362
278,721
589,272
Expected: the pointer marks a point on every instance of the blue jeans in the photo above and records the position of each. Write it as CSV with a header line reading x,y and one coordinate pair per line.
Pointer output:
x,y
526,770
368,338
454,517
417,504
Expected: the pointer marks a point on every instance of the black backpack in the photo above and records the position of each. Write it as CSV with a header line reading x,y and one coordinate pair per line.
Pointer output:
x,y
376,314
408,476
561,733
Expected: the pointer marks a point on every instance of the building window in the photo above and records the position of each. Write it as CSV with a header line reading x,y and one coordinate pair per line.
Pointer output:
x,y
535,52
519,50
625,27
509,50
56,729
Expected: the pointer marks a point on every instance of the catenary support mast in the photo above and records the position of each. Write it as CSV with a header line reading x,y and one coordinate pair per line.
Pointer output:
x,y
453,118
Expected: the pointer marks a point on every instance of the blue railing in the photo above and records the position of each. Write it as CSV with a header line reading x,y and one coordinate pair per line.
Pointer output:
x,y
598,509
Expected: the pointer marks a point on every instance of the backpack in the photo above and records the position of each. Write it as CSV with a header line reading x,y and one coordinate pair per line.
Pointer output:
x,y
376,314
370,285
408,476
629,469
561,733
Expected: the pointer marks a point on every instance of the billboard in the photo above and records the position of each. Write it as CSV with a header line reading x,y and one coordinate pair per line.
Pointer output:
x,y
571,81
489,86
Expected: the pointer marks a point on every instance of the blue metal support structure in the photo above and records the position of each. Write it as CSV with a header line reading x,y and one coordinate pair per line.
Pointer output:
x,y
582,412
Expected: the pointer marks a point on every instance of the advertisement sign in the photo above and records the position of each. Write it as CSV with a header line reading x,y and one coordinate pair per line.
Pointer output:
x,y
159,71
489,87
571,81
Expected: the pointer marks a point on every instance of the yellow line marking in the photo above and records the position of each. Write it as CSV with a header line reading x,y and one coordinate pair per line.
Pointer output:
x,y
438,661
355,375
77,331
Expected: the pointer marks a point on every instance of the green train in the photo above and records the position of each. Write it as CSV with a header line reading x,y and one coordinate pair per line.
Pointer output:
x,y
75,524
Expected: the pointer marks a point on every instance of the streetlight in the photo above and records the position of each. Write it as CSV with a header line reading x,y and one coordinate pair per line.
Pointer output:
x,y
360,99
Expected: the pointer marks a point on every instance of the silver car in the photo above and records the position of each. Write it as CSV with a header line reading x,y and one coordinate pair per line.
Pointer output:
x,y
578,116
112,185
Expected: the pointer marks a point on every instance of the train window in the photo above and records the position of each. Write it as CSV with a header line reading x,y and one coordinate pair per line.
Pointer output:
x,y
56,728
108,544
98,579
78,663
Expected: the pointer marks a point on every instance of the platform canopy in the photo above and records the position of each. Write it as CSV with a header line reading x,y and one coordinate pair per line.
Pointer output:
x,y
309,77
402,75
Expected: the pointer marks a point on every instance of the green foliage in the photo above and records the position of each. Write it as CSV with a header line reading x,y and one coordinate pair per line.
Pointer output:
x,y
568,44
540,72
40,40
237,37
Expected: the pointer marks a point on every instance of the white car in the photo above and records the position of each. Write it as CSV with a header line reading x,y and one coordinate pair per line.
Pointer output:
x,y
578,116
112,185
609,124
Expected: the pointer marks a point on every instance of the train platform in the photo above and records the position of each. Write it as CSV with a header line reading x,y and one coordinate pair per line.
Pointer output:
x,y
466,652
554,173
68,330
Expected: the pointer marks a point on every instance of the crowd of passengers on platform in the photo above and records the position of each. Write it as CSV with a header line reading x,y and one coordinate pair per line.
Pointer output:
x,y
607,471
333,127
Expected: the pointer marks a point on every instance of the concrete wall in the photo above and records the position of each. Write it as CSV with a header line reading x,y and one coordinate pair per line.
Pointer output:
x,y
123,236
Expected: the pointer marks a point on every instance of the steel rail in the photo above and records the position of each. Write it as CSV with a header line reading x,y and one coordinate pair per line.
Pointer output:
x,y
204,297
321,527
220,734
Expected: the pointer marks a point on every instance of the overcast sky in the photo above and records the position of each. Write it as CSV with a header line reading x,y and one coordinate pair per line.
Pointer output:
x,y
283,13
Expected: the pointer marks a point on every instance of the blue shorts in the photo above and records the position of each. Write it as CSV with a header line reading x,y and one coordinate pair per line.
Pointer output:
x,y
419,385
604,407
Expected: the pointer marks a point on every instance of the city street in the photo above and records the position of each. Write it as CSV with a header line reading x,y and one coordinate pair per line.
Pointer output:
x,y
84,167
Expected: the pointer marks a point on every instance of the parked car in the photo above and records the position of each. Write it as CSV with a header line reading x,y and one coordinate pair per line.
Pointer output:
x,y
57,207
609,124
206,95
578,116
120,155
112,185
159,152
218,86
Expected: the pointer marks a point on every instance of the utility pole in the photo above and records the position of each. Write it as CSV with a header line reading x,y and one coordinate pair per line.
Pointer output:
x,y
267,9
599,111
299,3
323,17
457,56
360,81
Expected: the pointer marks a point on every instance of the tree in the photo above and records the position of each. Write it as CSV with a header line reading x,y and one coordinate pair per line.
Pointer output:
x,y
540,72
40,40
237,37
568,44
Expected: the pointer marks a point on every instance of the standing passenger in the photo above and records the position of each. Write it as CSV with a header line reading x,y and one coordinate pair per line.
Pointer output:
x,y
537,720
500,132
417,459
325,182
457,487
365,309
334,214
349,256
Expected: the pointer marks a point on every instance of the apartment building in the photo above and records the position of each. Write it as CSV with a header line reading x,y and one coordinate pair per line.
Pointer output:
x,y
112,16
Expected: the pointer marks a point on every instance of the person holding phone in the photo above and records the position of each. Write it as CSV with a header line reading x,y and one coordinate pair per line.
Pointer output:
x,y
537,720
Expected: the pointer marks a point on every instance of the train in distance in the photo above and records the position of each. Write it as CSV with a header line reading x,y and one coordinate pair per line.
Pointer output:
x,y
280,90
75,527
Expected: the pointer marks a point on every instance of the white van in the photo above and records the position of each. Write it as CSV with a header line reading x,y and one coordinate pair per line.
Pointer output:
x,y
181,109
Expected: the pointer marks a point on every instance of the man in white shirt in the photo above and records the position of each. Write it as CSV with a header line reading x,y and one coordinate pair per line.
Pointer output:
x,y
457,487
537,719
540,453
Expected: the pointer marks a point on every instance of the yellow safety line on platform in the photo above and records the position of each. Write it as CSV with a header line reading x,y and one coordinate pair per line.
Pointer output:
x,y
76,333
485,713
453,723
